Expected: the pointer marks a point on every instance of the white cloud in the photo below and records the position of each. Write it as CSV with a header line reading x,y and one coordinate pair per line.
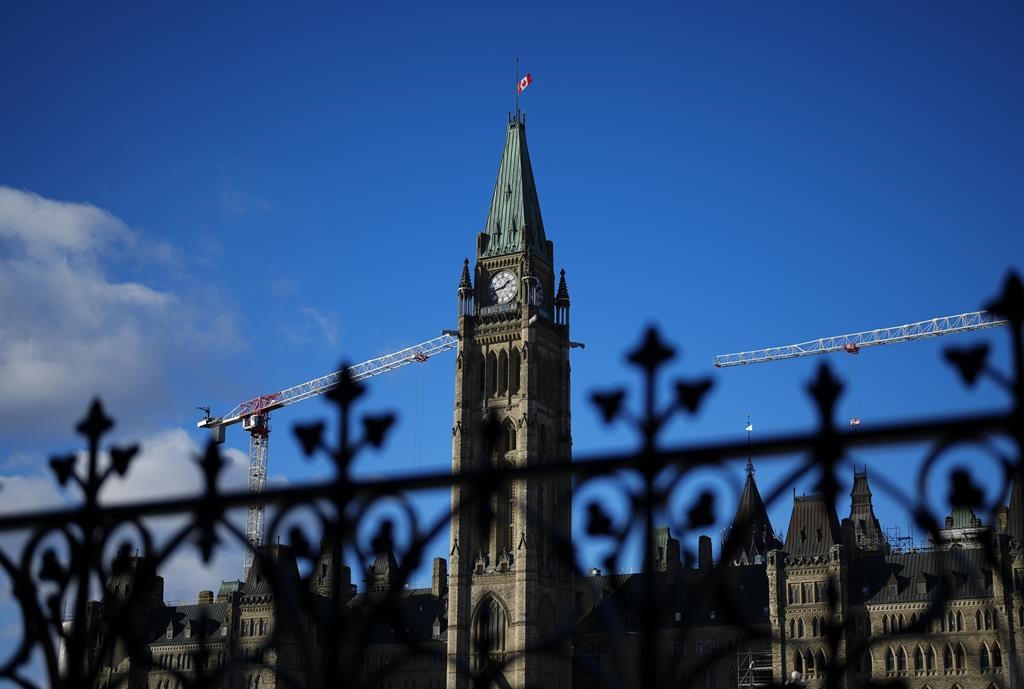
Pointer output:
x,y
166,467
42,225
28,493
71,330
324,322
238,202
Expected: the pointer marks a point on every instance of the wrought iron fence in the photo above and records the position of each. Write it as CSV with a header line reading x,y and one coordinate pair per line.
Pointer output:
x,y
683,621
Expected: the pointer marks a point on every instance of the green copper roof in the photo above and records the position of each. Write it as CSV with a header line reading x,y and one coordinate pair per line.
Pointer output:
x,y
513,221
964,518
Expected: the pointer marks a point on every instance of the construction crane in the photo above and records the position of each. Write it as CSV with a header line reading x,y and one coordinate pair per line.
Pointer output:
x,y
254,415
854,342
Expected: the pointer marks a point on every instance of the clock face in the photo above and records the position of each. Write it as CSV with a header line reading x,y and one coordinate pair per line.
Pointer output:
x,y
503,287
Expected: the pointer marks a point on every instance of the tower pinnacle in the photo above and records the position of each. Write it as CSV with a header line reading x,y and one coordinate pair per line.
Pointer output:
x,y
513,220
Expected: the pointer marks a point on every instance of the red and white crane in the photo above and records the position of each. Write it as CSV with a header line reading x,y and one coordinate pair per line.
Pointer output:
x,y
854,342
254,415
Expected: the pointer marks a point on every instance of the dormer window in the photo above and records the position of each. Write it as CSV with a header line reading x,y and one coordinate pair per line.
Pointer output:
x,y
170,631
188,630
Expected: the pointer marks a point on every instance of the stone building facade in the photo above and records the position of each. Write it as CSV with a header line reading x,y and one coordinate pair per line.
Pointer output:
x,y
507,587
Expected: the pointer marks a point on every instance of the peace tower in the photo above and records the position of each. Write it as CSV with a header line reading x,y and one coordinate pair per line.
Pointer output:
x,y
510,588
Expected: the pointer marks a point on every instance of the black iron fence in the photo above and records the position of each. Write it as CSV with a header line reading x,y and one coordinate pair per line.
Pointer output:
x,y
91,614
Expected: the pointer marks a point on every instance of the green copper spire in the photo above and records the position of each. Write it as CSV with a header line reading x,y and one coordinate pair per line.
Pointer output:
x,y
513,222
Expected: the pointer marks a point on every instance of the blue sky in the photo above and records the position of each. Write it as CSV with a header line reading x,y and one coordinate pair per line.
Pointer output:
x,y
202,204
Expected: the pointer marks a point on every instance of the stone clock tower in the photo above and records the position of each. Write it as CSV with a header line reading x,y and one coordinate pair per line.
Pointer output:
x,y
510,583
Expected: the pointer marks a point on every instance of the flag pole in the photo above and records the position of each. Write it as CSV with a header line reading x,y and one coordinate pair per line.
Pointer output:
x,y
517,90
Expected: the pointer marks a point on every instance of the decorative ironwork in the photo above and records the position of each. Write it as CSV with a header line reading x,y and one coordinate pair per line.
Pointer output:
x,y
660,628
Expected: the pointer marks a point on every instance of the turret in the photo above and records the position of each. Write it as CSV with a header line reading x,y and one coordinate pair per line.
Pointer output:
x,y
863,530
751,535
562,301
466,301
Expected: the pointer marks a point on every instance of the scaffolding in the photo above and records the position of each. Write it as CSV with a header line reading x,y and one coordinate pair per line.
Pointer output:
x,y
753,668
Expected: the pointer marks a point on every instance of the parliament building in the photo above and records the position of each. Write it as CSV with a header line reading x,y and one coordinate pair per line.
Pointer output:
x,y
833,593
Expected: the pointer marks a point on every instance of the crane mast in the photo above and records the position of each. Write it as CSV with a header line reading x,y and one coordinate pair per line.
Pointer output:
x,y
854,342
254,415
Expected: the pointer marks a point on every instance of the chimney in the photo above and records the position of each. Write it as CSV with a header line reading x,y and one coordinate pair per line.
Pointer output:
x,y
205,597
439,578
704,553
673,556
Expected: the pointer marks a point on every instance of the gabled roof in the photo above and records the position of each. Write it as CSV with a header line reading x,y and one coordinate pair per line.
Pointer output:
x,y
686,598
813,528
210,615
967,573
406,617
513,221
286,569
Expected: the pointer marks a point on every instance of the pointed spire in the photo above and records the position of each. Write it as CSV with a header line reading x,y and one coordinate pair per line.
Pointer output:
x,y
514,221
813,527
465,291
867,531
1015,515
563,291
751,535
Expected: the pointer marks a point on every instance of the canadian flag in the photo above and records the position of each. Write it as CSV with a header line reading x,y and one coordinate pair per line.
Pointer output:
x,y
855,421
524,82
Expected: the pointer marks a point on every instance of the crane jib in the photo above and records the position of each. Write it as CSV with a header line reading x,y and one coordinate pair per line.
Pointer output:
x,y
253,415
854,342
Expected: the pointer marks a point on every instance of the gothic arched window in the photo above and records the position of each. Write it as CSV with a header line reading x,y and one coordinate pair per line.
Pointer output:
x,y
800,628
988,619
492,374
515,371
918,660
929,659
510,436
490,625
983,658
901,661
798,662
890,660
997,657
961,657
502,372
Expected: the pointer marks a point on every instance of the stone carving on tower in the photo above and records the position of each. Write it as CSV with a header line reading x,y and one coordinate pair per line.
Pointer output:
x,y
510,590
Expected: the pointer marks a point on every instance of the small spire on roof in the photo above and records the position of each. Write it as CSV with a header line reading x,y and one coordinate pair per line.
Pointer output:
x,y
563,290
464,281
